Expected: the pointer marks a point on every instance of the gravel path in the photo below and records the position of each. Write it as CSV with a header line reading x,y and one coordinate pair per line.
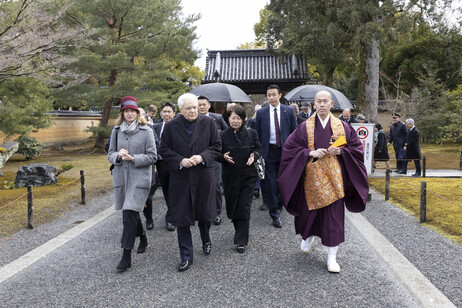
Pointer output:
x,y
273,272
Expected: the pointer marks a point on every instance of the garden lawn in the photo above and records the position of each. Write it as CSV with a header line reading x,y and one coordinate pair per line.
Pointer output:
x,y
444,205
444,156
52,200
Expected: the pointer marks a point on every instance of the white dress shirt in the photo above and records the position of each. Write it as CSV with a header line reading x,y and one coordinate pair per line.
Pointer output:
x,y
272,139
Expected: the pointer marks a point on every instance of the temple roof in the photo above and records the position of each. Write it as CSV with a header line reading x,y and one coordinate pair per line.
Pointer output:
x,y
253,70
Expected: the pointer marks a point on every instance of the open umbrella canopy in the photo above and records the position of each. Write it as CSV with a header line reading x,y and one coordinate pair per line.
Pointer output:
x,y
221,92
308,92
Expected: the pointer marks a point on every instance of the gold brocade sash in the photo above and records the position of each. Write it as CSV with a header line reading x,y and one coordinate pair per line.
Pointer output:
x,y
323,178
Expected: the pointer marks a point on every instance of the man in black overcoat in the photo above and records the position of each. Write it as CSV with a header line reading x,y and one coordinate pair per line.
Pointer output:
x,y
398,136
189,145
412,146
203,107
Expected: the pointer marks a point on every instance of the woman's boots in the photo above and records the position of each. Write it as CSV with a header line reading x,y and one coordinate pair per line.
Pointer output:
x,y
126,261
143,243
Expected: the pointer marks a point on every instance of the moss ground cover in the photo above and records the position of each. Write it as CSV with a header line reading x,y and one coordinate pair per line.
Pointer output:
x,y
52,200
444,201
445,156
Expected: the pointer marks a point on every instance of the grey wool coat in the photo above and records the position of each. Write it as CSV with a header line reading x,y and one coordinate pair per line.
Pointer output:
x,y
132,180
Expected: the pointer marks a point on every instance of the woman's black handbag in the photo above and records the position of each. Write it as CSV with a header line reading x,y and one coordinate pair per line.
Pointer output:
x,y
259,163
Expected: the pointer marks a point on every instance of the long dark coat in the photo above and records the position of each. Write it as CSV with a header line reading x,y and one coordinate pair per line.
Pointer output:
x,y
192,190
413,145
398,135
238,178
381,149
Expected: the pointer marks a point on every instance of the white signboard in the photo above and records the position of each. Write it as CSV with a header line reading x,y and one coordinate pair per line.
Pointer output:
x,y
365,132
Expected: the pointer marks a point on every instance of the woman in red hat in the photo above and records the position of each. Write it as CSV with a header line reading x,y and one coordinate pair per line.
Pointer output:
x,y
132,150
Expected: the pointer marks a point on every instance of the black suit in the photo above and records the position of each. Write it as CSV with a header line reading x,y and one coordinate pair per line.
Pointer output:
x,y
164,174
272,153
221,125
398,136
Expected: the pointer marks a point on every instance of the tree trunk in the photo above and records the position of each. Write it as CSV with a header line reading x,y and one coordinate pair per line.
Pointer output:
x,y
328,77
360,101
371,85
99,143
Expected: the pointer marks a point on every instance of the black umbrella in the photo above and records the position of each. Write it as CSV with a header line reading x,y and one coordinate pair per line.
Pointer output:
x,y
221,92
308,92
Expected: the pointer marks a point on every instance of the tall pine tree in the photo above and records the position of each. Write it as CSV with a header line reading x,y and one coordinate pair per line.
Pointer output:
x,y
136,47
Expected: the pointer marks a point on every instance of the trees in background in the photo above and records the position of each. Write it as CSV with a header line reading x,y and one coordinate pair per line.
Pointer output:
x,y
362,46
31,40
81,53
335,34
136,48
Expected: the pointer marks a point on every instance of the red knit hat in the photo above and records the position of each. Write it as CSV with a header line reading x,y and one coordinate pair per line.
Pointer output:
x,y
129,102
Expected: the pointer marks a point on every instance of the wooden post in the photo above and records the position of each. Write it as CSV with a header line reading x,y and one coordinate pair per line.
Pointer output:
x,y
423,201
387,184
460,165
424,166
30,208
82,187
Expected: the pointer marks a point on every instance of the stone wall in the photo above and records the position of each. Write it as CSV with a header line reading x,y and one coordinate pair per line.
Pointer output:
x,y
68,128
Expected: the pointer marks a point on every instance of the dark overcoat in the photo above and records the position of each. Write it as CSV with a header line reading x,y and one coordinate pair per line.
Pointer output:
x,y
192,190
413,145
398,135
238,178
381,149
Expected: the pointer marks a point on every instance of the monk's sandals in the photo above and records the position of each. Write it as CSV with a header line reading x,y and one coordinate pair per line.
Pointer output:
x,y
332,265
307,244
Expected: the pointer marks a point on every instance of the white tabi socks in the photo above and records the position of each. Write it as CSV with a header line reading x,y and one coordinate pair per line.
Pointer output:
x,y
307,244
332,265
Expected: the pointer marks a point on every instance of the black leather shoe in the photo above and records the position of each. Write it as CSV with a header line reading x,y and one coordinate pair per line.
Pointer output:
x,y
402,172
256,193
149,225
185,265
143,243
263,207
416,175
207,248
277,223
169,226
217,221
240,248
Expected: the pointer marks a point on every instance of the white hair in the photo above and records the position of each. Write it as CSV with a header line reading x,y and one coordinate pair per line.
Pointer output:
x,y
410,120
187,97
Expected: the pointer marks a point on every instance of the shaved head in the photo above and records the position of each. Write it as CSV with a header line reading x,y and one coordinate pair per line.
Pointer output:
x,y
323,93
323,103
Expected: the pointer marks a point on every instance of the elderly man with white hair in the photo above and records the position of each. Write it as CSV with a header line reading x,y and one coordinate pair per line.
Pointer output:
x,y
412,146
189,145
347,117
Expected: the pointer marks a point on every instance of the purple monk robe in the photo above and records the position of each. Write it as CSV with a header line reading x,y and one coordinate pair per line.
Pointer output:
x,y
328,222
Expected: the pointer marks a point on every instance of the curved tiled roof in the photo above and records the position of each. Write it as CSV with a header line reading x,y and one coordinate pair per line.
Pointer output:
x,y
253,65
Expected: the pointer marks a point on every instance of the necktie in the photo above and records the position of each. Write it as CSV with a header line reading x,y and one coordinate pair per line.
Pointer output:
x,y
162,130
276,127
